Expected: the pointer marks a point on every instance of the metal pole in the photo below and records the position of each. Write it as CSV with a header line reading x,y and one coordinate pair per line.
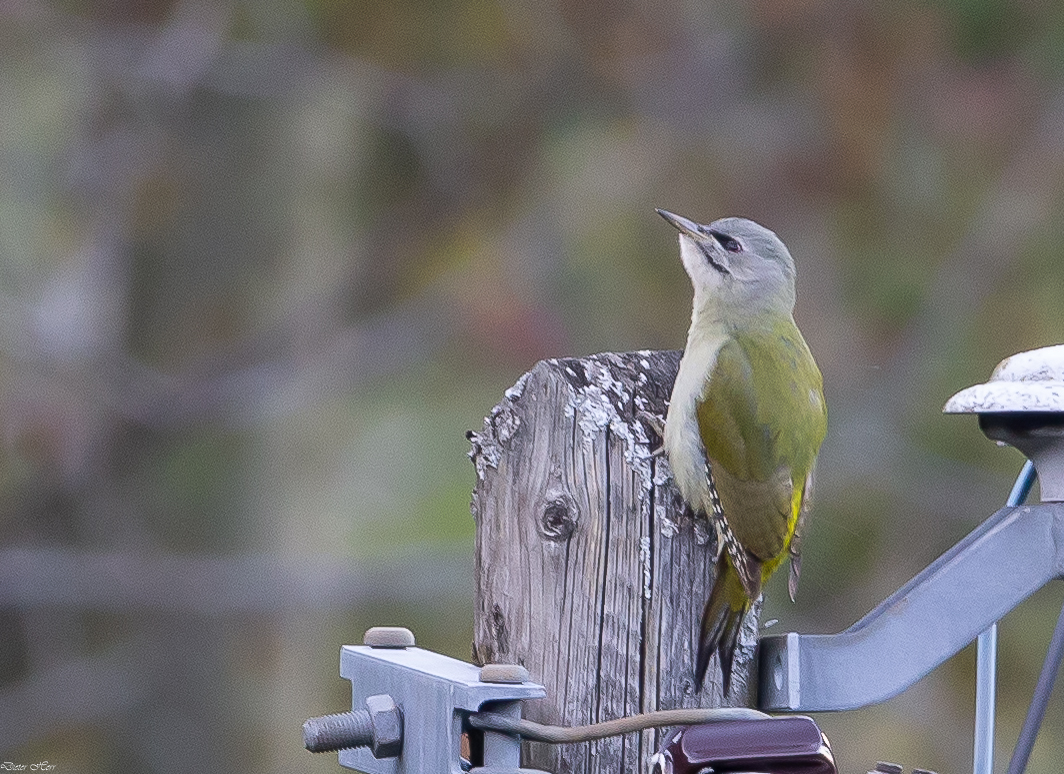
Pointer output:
x,y
985,689
986,658
1037,711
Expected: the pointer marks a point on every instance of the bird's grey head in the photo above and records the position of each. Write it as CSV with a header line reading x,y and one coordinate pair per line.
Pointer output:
x,y
737,267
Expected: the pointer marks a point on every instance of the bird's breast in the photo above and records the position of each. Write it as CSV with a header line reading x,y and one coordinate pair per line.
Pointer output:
x,y
683,441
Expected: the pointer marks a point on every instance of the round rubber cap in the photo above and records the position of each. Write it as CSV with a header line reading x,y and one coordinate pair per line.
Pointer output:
x,y
503,673
388,637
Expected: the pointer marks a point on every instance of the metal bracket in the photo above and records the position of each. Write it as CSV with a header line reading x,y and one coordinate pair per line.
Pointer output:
x,y
435,693
1002,562
1006,559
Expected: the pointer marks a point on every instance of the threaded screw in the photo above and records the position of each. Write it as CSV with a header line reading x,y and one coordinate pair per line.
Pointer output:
x,y
379,727
338,732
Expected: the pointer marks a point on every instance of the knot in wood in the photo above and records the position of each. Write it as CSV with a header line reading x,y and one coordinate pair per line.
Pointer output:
x,y
500,634
558,521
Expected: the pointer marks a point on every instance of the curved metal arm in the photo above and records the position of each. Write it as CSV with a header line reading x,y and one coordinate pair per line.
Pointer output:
x,y
1002,562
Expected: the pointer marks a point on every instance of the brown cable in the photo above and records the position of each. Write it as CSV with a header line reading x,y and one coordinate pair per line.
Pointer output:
x,y
539,732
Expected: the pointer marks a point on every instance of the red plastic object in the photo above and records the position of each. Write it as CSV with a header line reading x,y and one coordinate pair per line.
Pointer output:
x,y
786,745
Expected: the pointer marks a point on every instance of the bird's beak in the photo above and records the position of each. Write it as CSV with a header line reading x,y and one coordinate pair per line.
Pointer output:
x,y
688,228
683,225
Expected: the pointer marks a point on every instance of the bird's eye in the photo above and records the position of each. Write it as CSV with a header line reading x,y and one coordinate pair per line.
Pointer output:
x,y
729,244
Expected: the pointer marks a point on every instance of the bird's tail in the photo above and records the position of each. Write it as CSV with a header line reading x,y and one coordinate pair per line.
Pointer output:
x,y
721,621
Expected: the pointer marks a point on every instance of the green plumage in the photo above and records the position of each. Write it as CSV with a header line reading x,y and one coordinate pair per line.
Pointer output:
x,y
761,419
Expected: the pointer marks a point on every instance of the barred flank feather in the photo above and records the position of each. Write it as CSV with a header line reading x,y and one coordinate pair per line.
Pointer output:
x,y
745,565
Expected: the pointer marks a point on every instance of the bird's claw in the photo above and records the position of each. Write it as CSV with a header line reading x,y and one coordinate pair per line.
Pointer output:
x,y
654,423
719,529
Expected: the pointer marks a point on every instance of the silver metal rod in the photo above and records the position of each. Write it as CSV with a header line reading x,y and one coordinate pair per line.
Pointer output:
x,y
986,659
1037,711
985,690
503,751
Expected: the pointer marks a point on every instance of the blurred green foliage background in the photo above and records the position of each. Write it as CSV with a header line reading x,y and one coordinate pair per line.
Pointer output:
x,y
262,264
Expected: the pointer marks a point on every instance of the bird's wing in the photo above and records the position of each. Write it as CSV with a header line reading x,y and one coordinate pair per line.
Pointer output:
x,y
795,547
760,471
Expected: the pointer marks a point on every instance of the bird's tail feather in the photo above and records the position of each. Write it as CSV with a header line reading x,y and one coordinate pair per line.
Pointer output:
x,y
721,621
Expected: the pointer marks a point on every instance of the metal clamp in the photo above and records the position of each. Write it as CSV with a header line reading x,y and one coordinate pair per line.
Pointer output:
x,y
416,708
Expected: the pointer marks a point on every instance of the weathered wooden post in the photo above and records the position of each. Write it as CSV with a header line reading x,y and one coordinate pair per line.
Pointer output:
x,y
589,572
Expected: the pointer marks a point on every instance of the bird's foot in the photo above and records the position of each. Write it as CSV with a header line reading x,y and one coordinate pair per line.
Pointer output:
x,y
719,529
655,423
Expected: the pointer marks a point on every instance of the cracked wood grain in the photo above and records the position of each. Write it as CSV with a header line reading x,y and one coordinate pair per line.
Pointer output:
x,y
589,572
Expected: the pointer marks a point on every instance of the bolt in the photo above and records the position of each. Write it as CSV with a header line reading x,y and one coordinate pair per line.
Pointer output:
x,y
503,673
923,771
378,727
388,637
338,732
882,767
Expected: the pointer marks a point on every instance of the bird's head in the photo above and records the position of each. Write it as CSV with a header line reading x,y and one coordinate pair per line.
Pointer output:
x,y
739,268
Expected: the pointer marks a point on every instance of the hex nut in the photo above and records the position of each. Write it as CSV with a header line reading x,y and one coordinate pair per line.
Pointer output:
x,y
503,673
386,720
388,637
